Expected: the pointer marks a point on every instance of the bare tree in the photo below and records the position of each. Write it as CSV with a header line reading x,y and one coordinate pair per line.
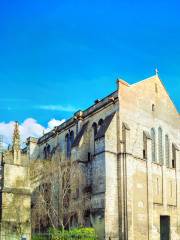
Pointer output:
x,y
59,198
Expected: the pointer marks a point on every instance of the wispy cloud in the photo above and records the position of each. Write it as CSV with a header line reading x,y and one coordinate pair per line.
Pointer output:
x,y
18,104
29,127
67,108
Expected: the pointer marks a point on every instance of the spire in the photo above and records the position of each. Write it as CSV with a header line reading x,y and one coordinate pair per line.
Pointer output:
x,y
16,136
16,143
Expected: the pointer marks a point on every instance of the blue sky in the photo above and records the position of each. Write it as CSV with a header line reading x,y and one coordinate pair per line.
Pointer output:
x,y
59,56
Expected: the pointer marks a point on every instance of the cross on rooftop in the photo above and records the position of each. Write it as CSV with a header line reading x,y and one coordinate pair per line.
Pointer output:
x,y
156,71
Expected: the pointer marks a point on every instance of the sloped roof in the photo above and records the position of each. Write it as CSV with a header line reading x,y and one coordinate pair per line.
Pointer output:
x,y
104,126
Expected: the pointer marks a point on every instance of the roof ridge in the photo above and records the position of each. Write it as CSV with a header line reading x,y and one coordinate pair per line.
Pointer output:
x,y
143,80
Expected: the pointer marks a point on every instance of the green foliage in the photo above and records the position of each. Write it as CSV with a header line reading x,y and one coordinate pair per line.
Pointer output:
x,y
39,237
76,233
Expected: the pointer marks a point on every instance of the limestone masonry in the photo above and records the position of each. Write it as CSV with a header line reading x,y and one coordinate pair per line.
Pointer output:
x,y
128,147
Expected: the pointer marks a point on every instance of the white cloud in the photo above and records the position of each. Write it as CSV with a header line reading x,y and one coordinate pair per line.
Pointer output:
x,y
30,127
54,123
67,108
6,130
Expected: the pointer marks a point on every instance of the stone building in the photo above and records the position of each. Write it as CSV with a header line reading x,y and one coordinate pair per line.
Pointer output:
x,y
128,146
15,194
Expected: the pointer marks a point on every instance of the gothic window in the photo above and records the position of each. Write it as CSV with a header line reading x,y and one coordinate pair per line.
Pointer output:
x,y
167,150
173,156
68,145
48,150
45,153
71,137
160,145
144,146
101,121
153,136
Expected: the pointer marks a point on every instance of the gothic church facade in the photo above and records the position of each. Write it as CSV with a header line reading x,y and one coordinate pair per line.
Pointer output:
x,y
129,144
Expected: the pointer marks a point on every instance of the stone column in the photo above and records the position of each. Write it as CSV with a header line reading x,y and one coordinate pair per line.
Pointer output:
x,y
125,185
128,185
149,189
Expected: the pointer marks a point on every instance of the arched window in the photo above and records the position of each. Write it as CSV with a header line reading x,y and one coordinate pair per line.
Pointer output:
x,y
48,150
173,156
167,150
144,146
94,126
101,121
160,145
153,136
45,153
68,145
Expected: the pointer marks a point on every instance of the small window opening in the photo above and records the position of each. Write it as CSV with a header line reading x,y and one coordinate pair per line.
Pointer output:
x,y
89,156
153,107
156,88
144,154
167,150
173,156
144,146
68,145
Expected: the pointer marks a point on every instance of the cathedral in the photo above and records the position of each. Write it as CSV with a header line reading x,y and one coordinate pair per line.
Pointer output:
x,y
128,148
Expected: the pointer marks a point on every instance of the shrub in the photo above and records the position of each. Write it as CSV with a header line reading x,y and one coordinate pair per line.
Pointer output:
x,y
39,237
76,233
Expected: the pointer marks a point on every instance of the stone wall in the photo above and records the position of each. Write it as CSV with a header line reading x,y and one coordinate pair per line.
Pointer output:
x,y
16,202
152,188
129,191
90,153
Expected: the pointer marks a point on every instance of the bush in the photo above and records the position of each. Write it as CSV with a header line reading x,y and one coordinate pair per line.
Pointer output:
x,y
76,233
39,237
